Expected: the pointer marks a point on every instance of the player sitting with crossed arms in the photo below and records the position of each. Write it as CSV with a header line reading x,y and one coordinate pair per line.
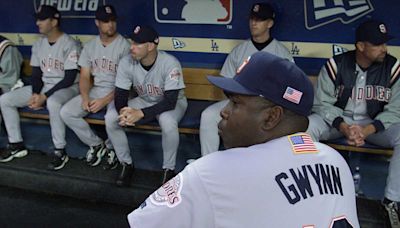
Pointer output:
x,y
271,175
157,81
54,82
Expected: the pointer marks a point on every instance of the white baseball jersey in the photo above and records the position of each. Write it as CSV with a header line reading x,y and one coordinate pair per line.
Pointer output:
x,y
103,61
287,182
164,75
54,59
242,52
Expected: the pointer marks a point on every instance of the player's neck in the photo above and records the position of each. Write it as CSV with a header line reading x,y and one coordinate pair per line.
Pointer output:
x,y
362,61
150,58
53,35
262,38
106,40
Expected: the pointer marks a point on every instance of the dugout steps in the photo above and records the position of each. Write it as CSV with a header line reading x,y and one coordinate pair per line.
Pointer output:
x,y
77,180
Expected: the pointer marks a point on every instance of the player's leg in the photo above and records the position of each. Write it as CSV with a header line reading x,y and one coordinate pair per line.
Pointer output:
x,y
391,138
318,129
119,140
210,117
9,103
72,113
170,137
57,125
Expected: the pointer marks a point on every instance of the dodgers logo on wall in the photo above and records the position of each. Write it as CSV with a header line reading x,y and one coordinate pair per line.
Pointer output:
x,y
321,12
72,8
193,11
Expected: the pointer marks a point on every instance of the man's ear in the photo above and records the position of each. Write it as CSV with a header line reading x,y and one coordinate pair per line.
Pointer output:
x,y
270,23
360,45
271,117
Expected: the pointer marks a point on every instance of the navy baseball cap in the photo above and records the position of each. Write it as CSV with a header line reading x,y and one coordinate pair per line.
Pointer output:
x,y
143,34
106,13
373,31
46,11
262,11
276,79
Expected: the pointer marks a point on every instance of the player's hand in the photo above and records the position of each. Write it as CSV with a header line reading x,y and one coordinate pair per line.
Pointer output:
x,y
129,116
357,136
85,104
32,100
96,105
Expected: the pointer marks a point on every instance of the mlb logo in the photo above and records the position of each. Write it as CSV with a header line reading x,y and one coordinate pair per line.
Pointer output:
x,y
193,11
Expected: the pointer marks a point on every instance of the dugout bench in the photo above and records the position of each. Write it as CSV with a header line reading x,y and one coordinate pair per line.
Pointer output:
x,y
200,94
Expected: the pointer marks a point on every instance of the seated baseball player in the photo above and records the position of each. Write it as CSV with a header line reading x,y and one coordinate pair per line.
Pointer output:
x,y
358,97
98,61
157,81
10,65
271,174
261,21
54,73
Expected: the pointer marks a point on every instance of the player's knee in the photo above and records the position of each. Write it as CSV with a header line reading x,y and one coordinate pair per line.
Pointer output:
x,y
6,100
167,123
111,119
65,113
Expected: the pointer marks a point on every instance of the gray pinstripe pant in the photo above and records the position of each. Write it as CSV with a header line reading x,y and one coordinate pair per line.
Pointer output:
x,y
169,129
12,100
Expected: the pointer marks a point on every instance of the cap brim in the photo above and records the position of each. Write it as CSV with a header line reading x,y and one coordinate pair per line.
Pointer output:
x,y
230,85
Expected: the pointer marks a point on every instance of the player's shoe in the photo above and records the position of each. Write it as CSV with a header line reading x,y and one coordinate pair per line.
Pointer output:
x,y
59,160
167,174
112,161
95,154
392,210
13,150
124,178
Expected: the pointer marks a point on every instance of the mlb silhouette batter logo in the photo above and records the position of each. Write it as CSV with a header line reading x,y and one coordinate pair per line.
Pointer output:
x,y
193,11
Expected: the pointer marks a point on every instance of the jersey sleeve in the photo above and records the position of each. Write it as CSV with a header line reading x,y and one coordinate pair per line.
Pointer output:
x,y
71,55
181,202
35,60
84,58
230,65
325,98
124,77
174,78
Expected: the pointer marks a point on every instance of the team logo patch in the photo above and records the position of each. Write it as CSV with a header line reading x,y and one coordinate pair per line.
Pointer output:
x,y
108,9
175,74
322,12
292,95
302,144
169,194
73,56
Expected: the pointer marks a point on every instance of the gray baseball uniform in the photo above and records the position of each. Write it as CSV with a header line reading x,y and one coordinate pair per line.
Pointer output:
x,y
209,138
10,64
273,184
53,60
103,62
165,74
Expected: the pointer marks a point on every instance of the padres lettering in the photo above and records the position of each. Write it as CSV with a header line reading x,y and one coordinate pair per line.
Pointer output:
x,y
298,186
49,64
75,5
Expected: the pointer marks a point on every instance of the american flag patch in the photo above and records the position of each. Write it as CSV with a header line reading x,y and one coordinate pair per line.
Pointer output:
x,y
302,144
292,95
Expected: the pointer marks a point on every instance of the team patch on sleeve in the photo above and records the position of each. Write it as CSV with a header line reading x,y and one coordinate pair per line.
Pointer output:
x,y
175,74
169,194
73,56
302,144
